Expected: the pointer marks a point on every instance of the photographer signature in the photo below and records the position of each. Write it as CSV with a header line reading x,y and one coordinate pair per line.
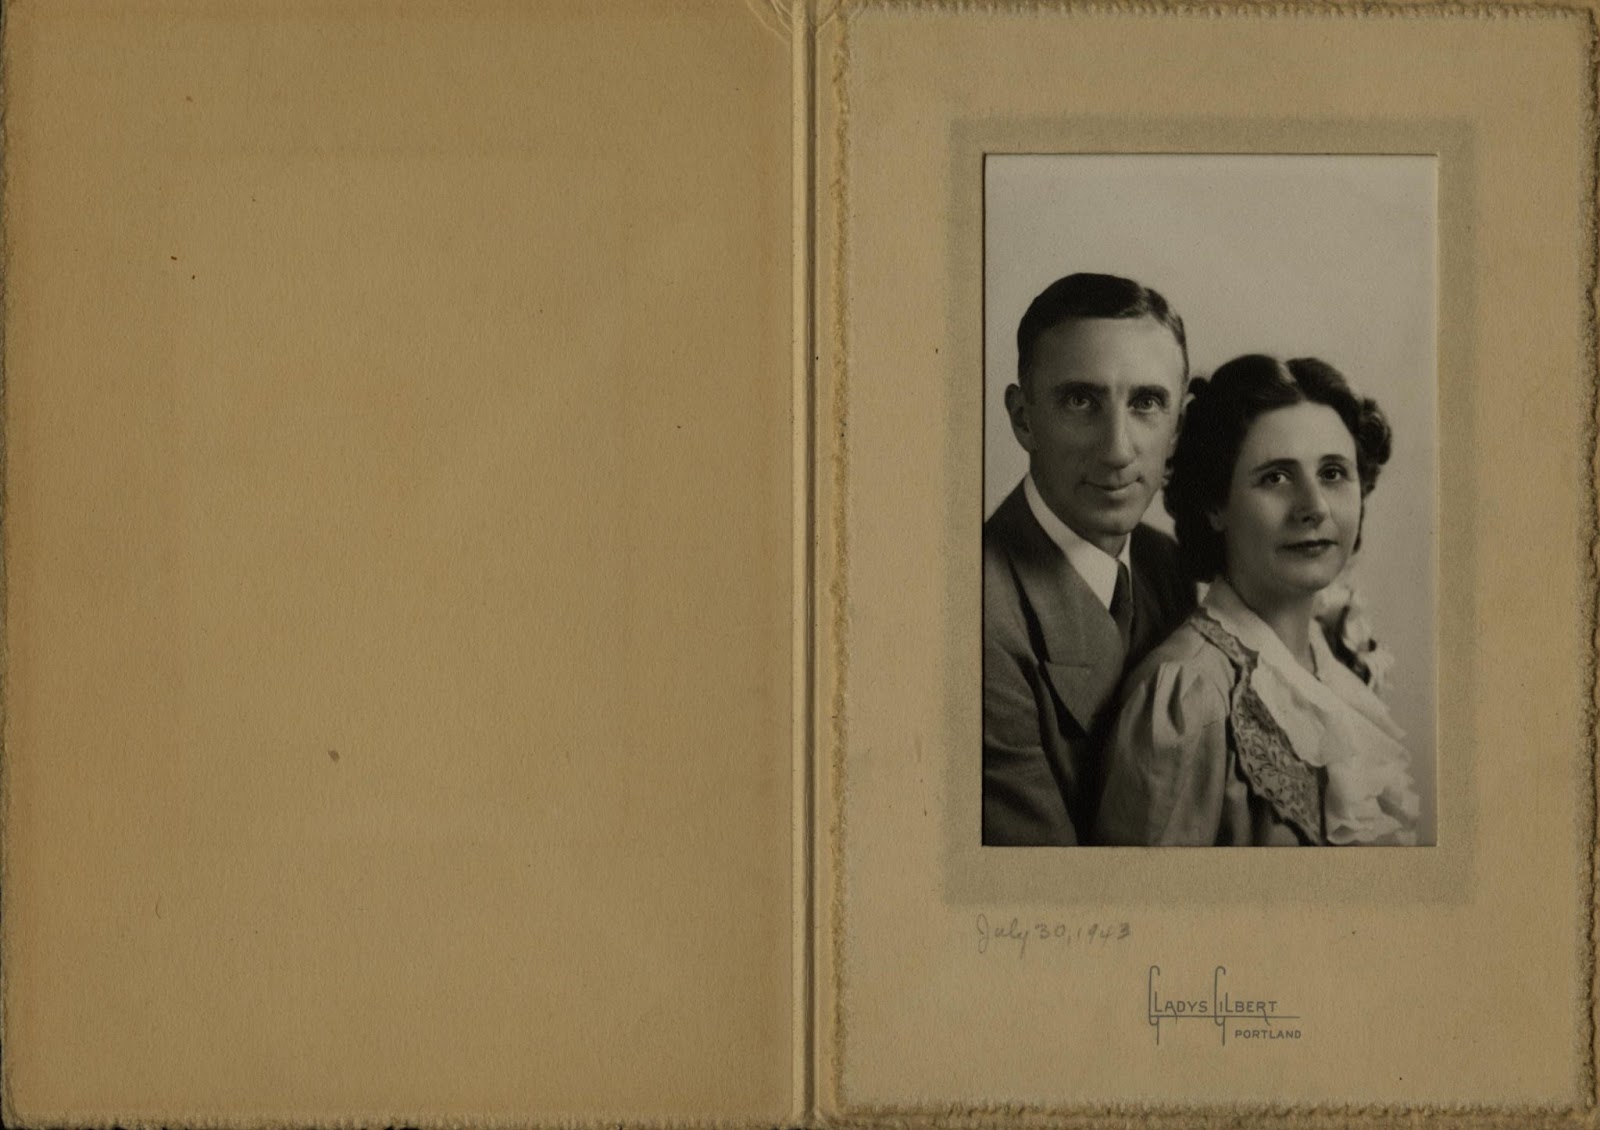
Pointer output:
x,y
1251,1015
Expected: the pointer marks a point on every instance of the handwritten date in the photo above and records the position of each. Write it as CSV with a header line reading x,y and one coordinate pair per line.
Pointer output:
x,y
1014,934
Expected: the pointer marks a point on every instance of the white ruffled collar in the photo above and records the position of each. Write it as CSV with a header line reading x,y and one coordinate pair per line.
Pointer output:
x,y
1333,721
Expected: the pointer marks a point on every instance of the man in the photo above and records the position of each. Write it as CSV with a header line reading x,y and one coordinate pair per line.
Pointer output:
x,y
1075,589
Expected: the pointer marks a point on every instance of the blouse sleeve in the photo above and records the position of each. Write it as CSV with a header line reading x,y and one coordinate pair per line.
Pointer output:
x,y
1167,763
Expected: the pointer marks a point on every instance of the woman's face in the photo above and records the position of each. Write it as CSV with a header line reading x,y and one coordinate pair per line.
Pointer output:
x,y
1294,505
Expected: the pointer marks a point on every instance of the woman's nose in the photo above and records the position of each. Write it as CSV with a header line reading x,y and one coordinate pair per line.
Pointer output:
x,y
1311,506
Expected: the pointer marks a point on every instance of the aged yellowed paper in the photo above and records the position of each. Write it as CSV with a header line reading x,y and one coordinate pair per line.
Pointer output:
x,y
409,706
961,981
398,531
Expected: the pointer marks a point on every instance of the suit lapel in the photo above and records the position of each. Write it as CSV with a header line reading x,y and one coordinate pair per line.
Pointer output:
x,y
1083,654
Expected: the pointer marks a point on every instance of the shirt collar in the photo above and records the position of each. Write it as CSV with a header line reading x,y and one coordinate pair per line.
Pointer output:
x,y
1333,721
1097,567
1333,681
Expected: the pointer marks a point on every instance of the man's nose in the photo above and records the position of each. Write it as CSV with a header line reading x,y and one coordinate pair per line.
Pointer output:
x,y
1118,450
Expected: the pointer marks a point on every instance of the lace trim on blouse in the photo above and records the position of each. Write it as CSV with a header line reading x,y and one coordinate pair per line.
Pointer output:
x,y
1266,756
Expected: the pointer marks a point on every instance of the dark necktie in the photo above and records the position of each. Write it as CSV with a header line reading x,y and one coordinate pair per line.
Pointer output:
x,y
1122,606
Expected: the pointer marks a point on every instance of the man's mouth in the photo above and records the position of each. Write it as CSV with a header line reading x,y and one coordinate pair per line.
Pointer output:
x,y
1114,489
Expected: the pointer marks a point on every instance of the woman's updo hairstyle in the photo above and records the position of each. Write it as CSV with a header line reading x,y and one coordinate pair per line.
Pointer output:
x,y
1217,418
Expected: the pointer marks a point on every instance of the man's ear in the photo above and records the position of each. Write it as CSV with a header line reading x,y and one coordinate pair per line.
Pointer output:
x,y
1017,412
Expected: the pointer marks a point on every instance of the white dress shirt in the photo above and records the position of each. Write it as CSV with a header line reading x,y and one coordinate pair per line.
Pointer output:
x,y
1097,567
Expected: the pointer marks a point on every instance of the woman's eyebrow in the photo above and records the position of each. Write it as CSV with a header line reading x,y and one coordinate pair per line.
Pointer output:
x,y
1274,464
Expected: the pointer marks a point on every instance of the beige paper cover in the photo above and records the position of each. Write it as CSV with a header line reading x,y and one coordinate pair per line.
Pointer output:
x,y
1455,976
398,560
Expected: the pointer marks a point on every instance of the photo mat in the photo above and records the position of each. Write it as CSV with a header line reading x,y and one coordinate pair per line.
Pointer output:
x,y
1345,938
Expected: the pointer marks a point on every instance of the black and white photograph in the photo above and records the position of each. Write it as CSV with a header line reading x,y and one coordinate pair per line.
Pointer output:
x,y
1210,476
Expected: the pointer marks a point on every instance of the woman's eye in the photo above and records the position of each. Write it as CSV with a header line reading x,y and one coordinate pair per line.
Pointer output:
x,y
1336,473
1274,478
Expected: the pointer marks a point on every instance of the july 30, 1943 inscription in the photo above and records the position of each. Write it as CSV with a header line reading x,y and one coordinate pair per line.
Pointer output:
x,y
1016,934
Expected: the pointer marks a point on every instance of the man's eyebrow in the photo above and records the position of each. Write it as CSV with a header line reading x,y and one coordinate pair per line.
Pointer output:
x,y
1079,388
1160,392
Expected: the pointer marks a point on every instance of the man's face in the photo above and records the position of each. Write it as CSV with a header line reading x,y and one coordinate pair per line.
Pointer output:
x,y
1099,420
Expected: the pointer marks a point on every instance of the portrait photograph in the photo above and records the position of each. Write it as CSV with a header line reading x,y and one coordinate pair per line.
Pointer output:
x,y
1209,480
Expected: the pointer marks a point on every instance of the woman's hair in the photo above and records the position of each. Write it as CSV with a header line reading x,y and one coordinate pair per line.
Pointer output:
x,y
1216,420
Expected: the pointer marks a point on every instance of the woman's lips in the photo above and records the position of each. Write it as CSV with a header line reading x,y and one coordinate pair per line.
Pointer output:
x,y
1312,547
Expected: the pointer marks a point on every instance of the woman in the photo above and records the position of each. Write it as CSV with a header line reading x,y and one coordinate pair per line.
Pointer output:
x,y
1243,728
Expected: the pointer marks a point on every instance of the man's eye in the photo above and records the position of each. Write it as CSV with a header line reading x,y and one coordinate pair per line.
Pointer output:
x,y
1148,403
1077,402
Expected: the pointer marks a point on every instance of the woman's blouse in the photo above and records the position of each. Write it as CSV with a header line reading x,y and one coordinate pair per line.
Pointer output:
x,y
1224,739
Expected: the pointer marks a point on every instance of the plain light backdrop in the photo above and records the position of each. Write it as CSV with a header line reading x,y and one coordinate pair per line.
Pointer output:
x,y
1323,256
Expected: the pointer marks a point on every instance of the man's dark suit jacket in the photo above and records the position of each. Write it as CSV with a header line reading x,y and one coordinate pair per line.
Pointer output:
x,y
1052,661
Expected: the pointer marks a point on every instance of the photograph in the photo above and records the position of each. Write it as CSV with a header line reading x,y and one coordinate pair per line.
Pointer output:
x,y
1210,476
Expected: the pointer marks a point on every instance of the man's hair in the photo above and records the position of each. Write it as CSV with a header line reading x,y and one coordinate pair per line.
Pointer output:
x,y
1216,421
1090,296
